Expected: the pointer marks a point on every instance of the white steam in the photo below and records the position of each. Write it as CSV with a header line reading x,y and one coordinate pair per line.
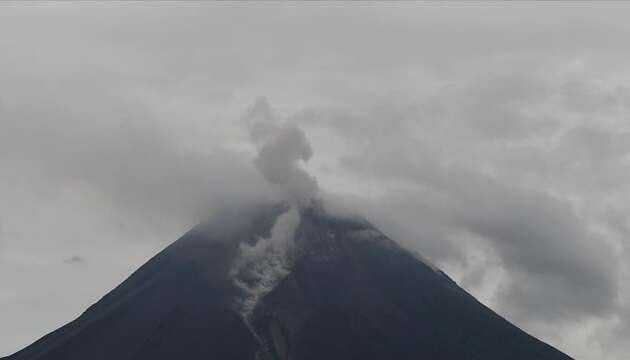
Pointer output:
x,y
261,266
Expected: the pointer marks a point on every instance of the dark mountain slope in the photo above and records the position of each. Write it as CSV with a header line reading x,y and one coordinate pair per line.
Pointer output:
x,y
177,305
355,294
351,294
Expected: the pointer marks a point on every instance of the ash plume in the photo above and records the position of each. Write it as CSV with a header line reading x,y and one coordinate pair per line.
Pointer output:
x,y
281,149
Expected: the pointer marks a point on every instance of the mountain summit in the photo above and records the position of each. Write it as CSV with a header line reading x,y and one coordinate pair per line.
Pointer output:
x,y
286,284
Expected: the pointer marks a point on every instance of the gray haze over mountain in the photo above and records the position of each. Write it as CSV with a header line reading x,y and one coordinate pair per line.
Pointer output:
x,y
493,139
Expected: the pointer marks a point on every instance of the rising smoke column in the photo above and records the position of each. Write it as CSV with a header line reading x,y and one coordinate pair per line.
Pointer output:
x,y
281,149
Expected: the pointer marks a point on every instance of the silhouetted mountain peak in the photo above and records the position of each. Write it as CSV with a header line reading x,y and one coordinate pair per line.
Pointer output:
x,y
280,283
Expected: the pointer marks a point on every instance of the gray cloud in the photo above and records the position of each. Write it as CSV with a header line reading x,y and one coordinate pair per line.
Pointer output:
x,y
530,185
75,259
126,157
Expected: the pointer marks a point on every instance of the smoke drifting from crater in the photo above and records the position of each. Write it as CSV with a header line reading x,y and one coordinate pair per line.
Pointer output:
x,y
281,148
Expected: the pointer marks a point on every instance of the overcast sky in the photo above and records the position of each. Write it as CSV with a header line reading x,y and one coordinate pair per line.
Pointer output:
x,y
493,139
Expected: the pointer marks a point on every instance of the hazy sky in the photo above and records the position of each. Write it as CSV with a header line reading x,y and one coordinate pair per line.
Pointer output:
x,y
494,139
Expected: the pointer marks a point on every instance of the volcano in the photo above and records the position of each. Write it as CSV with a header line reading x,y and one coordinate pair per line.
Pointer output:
x,y
347,292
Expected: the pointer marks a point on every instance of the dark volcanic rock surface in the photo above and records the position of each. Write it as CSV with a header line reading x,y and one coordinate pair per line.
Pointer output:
x,y
351,294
